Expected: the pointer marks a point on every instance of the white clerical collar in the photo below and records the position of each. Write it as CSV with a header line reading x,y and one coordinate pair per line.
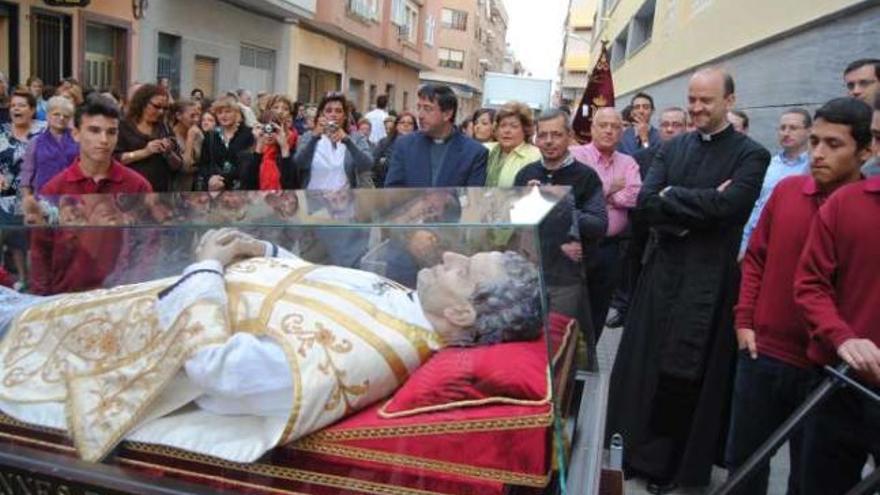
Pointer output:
x,y
708,138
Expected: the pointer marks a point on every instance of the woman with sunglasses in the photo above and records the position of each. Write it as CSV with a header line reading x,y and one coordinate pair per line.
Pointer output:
x,y
146,144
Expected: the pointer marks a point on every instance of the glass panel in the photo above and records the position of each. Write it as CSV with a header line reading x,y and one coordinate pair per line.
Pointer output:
x,y
417,315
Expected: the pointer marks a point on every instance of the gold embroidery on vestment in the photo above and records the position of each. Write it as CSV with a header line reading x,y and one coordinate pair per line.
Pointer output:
x,y
324,338
417,336
392,359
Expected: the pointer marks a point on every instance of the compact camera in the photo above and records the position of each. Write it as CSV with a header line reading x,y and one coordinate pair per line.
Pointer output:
x,y
269,128
331,128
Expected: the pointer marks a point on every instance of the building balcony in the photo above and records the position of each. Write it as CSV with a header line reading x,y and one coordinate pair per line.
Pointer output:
x,y
284,10
578,61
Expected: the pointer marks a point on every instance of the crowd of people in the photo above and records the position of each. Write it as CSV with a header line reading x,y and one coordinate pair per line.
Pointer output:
x,y
735,273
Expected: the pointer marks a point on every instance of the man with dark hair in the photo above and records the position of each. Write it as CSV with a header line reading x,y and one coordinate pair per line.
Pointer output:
x,y
377,118
875,127
564,243
642,134
838,291
66,261
774,374
793,134
671,381
739,120
872,166
438,155
862,79
96,171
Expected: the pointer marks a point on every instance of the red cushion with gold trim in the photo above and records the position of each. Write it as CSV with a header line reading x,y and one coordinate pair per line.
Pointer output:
x,y
475,376
477,450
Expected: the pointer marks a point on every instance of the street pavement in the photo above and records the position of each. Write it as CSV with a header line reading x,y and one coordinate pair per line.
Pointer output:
x,y
607,345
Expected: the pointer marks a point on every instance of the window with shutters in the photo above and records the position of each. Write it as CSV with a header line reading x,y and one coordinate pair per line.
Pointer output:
x,y
50,46
430,27
450,58
206,75
367,10
104,57
411,27
398,12
455,19
168,60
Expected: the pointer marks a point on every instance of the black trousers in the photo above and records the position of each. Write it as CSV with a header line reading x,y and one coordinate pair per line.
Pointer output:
x,y
602,279
765,393
838,438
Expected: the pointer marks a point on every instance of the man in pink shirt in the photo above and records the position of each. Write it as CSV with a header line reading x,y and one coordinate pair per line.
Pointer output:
x,y
621,183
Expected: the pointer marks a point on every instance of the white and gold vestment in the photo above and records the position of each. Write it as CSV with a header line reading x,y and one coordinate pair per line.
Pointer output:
x,y
224,364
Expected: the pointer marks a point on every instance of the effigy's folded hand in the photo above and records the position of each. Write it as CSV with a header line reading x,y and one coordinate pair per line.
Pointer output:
x,y
227,245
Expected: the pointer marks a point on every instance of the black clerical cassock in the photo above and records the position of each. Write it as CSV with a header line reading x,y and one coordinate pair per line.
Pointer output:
x,y
672,378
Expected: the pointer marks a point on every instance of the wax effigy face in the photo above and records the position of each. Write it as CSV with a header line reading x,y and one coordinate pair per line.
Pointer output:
x,y
309,314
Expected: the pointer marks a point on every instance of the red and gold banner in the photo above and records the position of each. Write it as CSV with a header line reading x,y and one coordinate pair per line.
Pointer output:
x,y
598,93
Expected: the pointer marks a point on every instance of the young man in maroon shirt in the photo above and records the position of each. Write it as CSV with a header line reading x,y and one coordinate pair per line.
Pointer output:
x,y
774,374
837,286
74,260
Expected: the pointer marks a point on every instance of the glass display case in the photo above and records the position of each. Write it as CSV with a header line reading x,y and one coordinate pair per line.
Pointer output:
x,y
357,341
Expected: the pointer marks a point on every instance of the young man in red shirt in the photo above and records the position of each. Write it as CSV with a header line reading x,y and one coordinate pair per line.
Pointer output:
x,y
774,374
837,286
74,260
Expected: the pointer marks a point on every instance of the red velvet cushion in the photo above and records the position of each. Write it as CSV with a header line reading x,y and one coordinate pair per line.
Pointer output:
x,y
510,373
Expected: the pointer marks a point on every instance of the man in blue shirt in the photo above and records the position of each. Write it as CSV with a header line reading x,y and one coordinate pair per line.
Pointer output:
x,y
794,131
642,134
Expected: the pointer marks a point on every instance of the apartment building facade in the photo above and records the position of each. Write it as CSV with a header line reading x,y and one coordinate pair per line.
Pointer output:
x,y
97,44
574,68
471,40
365,48
781,53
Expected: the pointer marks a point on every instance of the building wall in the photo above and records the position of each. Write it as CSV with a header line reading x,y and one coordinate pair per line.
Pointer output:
x,y
576,59
369,50
474,41
689,33
804,68
465,40
373,70
111,11
214,29
312,49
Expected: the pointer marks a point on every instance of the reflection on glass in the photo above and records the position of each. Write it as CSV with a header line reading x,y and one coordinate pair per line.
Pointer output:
x,y
389,207
383,311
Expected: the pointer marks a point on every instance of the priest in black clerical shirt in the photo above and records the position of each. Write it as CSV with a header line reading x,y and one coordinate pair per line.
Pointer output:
x,y
672,378
572,232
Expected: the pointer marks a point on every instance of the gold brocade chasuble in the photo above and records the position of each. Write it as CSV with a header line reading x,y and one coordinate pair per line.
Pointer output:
x,y
104,354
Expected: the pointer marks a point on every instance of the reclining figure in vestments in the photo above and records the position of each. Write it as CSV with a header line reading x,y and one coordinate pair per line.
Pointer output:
x,y
251,347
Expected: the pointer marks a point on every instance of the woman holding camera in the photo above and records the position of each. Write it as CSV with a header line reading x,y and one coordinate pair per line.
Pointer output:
x,y
271,167
225,149
146,144
328,158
